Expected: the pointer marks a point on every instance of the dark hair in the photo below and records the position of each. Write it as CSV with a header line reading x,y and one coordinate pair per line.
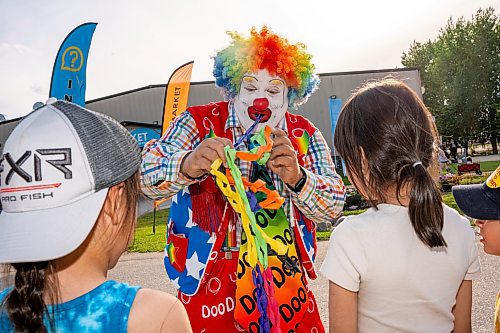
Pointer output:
x,y
388,123
132,193
24,304
36,282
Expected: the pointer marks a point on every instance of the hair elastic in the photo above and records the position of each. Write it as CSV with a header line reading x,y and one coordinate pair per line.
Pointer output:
x,y
417,163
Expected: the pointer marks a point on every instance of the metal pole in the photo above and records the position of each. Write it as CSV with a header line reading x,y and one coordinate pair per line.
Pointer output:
x,y
154,218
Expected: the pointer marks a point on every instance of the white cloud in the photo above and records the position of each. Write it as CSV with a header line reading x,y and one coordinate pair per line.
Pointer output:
x,y
19,48
36,88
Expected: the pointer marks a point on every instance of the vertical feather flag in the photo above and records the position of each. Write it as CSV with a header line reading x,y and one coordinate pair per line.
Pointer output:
x,y
175,102
177,93
69,73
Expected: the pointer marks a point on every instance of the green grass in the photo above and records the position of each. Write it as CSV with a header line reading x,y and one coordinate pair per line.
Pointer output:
x,y
485,166
323,235
147,241
345,180
450,201
489,166
353,212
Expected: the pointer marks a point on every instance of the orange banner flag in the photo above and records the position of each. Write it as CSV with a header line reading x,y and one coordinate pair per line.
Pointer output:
x,y
177,93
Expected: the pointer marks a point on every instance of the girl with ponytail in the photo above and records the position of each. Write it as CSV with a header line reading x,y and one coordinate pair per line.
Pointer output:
x,y
406,264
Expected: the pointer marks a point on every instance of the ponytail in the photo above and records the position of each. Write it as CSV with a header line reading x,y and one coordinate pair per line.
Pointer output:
x,y
25,303
425,206
387,138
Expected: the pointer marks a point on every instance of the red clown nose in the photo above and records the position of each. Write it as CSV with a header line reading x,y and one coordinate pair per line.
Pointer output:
x,y
260,104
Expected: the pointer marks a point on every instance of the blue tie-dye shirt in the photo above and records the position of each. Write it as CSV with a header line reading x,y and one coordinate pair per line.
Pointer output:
x,y
103,309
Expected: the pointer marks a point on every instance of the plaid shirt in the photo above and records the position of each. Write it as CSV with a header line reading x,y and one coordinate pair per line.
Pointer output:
x,y
321,198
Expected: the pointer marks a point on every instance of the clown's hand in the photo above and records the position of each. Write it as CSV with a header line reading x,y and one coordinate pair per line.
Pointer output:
x,y
197,163
283,160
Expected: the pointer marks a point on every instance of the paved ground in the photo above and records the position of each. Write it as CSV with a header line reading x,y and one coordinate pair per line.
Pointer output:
x,y
485,158
147,270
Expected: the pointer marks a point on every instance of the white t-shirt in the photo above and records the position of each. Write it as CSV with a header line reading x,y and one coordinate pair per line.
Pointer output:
x,y
402,285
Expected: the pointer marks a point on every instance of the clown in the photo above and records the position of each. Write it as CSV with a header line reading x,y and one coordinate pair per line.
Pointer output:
x,y
223,281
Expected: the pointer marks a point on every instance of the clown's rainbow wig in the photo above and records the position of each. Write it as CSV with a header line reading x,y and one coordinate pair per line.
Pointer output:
x,y
265,50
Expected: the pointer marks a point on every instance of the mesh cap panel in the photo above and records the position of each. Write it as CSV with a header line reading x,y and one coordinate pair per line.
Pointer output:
x,y
113,154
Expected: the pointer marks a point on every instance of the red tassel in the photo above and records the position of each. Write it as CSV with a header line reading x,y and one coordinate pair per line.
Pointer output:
x,y
208,206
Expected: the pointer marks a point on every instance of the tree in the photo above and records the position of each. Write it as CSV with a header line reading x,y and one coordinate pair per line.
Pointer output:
x,y
460,71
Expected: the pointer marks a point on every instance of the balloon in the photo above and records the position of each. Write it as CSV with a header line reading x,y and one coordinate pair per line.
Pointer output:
x,y
234,187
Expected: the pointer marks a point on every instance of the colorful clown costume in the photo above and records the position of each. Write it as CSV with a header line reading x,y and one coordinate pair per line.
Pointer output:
x,y
201,256
241,235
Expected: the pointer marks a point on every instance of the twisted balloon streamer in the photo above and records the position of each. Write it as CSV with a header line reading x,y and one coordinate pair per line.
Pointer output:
x,y
272,304
261,299
257,239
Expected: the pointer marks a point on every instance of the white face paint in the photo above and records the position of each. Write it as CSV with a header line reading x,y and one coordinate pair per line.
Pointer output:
x,y
261,94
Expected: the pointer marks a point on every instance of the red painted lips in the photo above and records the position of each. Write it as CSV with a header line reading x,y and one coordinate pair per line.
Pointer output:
x,y
260,107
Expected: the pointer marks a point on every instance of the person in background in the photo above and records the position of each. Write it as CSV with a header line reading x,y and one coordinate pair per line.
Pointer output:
x,y
453,150
443,159
482,202
407,263
69,188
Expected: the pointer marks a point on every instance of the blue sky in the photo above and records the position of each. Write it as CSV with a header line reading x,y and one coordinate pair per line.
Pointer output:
x,y
138,43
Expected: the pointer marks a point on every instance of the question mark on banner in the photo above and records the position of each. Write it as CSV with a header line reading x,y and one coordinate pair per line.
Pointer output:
x,y
75,59
74,56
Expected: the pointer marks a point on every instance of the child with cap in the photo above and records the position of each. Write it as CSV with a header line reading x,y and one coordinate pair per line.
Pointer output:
x,y
69,187
482,202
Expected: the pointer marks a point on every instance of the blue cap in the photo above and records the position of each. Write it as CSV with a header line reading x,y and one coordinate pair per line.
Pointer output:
x,y
480,201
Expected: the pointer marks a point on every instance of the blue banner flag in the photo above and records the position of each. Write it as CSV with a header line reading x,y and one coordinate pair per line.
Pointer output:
x,y
143,135
69,74
335,106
